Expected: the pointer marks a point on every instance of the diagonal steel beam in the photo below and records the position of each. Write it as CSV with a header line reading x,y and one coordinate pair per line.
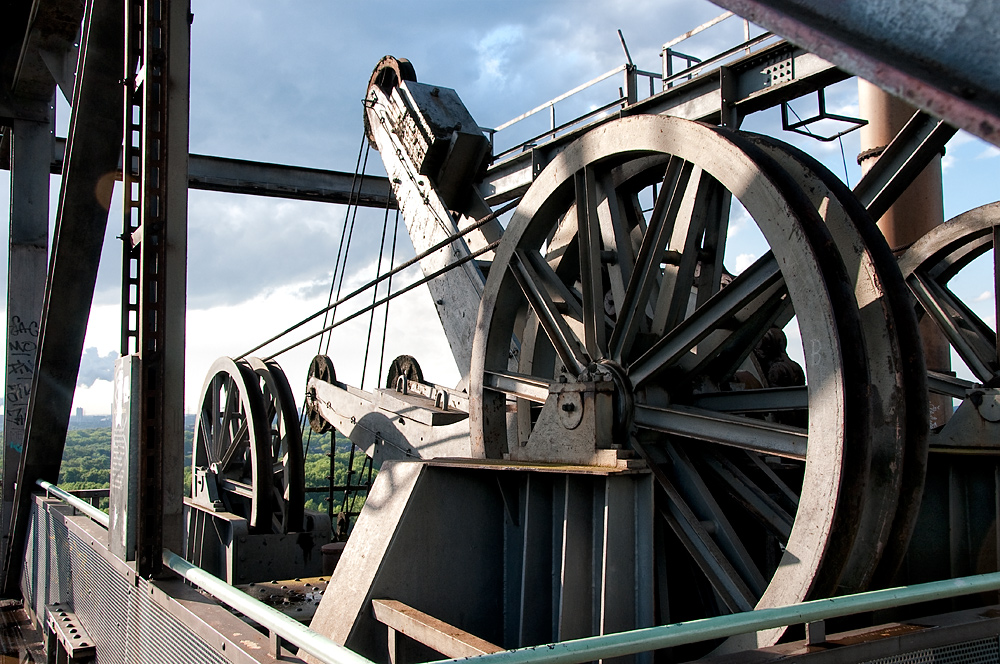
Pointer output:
x,y
94,144
909,153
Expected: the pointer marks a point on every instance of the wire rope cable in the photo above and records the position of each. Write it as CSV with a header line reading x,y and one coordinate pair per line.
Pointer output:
x,y
347,249
402,266
385,322
378,303
371,317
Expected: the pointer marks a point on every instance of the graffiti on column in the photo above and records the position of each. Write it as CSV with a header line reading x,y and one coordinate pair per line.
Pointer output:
x,y
22,342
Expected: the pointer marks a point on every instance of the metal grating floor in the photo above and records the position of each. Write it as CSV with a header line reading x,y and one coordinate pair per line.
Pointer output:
x,y
981,651
18,642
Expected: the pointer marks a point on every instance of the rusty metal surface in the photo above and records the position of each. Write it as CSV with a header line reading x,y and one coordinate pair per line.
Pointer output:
x,y
66,627
441,637
296,598
941,57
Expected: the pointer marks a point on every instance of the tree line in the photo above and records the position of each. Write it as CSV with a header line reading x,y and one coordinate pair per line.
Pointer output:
x,y
86,464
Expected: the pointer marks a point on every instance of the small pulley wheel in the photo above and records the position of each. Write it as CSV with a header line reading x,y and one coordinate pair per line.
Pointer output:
x,y
403,367
320,368
388,73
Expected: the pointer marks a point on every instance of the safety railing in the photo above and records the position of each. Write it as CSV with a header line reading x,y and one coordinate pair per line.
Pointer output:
x,y
579,650
293,632
629,91
720,627
78,504
322,648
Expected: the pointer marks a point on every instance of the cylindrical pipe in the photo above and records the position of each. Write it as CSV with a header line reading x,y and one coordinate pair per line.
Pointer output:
x,y
317,645
77,504
666,636
917,211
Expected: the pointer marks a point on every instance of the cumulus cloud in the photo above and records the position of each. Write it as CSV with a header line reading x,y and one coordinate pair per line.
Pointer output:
x,y
95,367
743,261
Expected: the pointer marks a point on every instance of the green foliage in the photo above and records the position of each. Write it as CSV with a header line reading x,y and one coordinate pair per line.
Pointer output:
x,y
318,470
86,464
86,460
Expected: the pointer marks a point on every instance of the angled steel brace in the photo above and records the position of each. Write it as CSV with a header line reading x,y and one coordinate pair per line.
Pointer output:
x,y
923,137
94,144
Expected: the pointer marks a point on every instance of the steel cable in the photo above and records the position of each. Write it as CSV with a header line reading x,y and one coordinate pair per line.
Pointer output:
x,y
371,318
347,249
352,199
402,266
385,322
402,291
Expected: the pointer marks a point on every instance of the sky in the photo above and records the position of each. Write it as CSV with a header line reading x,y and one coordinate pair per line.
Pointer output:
x,y
283,81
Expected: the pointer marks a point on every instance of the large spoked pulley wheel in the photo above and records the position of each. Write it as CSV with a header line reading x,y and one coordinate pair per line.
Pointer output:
x,y
231,431
763,468
283,446
929,266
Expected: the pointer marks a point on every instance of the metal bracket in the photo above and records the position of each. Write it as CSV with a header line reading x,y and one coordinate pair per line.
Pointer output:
x,y
63,630
802,126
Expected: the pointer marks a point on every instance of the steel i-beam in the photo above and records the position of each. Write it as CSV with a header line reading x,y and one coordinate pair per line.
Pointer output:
x,y
154,266
29,238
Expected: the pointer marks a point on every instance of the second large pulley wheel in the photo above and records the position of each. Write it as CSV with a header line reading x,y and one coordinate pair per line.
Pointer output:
x,y
764,481
283,446
230,443
247,457
929,265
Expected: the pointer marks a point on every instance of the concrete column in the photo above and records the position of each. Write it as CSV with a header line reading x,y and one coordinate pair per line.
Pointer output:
x,y
31,154
917,211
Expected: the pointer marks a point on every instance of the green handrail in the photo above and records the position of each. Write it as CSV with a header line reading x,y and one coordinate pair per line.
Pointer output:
x,y
718,627
586,649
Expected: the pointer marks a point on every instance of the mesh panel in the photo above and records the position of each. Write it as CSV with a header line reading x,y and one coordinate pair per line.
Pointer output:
x,y
127,625
103,602
164,638
981,651
28,582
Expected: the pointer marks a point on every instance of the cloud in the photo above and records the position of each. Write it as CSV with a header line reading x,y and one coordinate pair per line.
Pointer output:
x,y
95,367
240,247
493,55
743,261
990,152
94,399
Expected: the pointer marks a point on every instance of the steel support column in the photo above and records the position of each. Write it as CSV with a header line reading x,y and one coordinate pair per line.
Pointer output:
x,y
154,275
31,145
85,196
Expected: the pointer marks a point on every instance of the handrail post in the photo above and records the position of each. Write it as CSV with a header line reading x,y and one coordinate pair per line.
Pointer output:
x,y
631,85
